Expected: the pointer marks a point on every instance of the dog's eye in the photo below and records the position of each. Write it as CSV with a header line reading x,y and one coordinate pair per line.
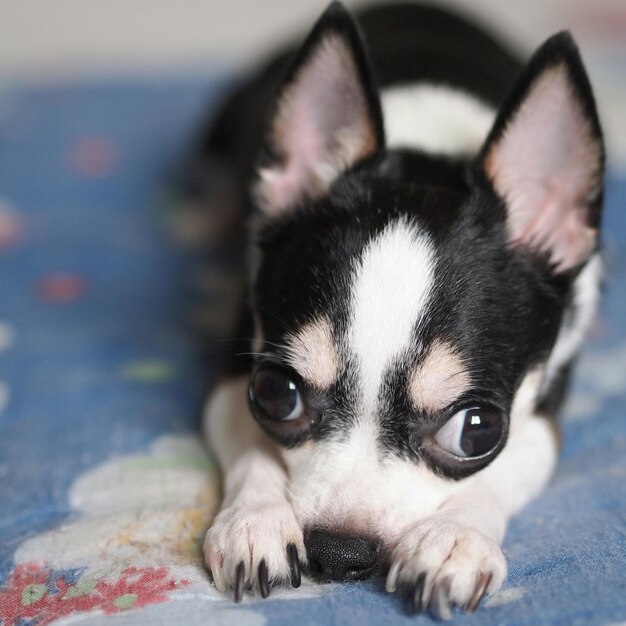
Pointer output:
x,y
276,395
471,432
281,405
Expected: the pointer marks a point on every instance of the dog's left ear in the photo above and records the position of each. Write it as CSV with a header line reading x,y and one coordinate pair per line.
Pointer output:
x,y
545,158
327,118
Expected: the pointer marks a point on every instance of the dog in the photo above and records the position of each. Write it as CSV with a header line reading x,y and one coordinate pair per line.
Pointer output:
x,y
424,264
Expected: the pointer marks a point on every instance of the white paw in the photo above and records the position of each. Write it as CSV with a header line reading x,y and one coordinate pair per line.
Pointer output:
x,y
254,545
442,563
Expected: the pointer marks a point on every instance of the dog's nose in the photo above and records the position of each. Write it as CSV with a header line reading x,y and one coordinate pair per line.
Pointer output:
x,y
337,557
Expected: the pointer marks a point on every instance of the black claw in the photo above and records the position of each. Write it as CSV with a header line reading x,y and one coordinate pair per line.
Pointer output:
x,y
294,565
440,600
418,595
264,584
240,573
480,591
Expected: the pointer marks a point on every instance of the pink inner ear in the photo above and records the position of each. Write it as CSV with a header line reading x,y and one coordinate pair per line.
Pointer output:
x,y
547,167
284,184
322,127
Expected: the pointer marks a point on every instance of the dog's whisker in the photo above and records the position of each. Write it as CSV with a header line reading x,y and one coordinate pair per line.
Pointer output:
x,y
260,354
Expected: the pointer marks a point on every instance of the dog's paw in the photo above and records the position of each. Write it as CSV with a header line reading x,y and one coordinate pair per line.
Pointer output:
x,y
254,545
441,564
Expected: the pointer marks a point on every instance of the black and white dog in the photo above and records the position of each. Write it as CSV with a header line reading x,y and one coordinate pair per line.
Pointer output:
x,y
424,267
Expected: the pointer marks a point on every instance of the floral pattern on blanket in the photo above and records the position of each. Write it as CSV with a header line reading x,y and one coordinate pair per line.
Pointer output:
x,y
38,595
136,540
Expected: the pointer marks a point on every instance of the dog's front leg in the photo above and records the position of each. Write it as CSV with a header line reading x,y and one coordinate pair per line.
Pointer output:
x,y
255,539
453,557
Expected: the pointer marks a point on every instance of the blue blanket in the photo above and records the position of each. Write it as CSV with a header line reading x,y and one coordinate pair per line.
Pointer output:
x,y
105,487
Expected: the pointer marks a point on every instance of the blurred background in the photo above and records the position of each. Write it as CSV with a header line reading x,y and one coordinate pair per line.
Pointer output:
x,y
70,39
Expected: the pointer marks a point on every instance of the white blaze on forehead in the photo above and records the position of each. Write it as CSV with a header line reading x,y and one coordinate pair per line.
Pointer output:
x,y
439,379
313,354
392,283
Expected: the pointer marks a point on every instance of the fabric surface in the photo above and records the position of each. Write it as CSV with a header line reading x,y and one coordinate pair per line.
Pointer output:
x,y
105,487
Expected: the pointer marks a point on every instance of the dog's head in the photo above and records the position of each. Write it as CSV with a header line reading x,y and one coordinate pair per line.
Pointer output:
x,y
407,308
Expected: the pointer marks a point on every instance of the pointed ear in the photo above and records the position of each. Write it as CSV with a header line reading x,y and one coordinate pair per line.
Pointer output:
x,y
327,117
545,158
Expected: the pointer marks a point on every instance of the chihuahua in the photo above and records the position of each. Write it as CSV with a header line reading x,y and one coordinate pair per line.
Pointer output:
x,y
424,264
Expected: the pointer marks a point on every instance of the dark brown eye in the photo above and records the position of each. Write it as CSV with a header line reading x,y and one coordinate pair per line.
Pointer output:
x,y
276,395
471,432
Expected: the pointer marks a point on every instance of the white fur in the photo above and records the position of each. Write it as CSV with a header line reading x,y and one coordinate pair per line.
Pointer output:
x,y
347,486
447,550
390,289
435,119
255,521
575,326
392,283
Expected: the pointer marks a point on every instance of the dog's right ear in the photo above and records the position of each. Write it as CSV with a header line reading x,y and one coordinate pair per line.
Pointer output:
x,y
545,158
327,117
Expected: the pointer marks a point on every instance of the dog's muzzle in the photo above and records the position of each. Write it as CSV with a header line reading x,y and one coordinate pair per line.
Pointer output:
x,y
338,557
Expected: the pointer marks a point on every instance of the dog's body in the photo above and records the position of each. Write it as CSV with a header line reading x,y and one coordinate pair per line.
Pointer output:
x,y
423,274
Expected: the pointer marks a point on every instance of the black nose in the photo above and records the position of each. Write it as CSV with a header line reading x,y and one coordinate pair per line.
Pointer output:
x,y
336,557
